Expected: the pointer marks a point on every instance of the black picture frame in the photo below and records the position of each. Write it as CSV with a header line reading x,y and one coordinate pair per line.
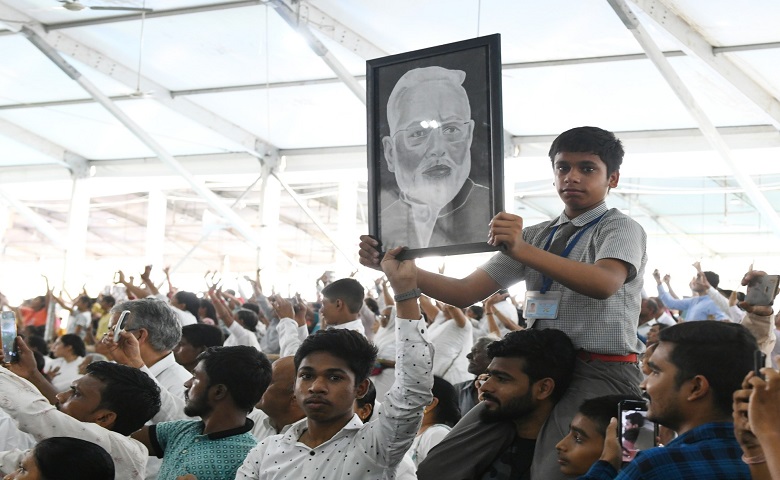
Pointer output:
x,y
463,225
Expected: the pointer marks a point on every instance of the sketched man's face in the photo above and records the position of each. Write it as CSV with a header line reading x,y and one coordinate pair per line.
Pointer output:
x,y
429,152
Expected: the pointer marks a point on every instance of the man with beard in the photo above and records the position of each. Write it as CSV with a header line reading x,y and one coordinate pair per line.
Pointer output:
x,y
429,152
226,384
528,373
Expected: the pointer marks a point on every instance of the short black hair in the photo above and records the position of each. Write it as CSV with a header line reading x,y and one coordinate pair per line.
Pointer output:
x,y
38,343
211,311
590,140
248,318
713,278
190,301
448,409
721,352
372,305
478,310
601,410
128,392
242,369
348,290
202,335
348,345
547,353
75,342
67,458
109,299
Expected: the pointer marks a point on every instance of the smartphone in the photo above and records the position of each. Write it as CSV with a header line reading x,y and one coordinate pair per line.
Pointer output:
x,y
120,324
762,290
8,331
635,432
759,362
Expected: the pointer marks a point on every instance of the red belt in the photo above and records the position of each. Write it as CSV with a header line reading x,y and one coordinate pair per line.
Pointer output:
x,y
590,356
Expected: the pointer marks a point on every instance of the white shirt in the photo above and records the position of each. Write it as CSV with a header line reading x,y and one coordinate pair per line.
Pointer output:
x,y
185,318
424,442
365,452
68,372
10,435
79,319
241,336
356,325
22,401
263,428
452,344
290,336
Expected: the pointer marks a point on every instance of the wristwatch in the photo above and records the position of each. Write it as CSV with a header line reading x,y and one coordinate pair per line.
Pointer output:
x,y
414,293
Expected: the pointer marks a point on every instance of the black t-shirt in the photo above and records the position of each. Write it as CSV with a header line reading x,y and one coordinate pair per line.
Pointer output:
x,y
513,463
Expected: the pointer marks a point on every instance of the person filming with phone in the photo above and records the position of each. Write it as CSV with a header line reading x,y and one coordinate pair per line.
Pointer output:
x,y
695,370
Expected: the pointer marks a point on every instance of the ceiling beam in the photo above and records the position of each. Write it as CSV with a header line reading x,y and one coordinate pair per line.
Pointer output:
x,y
632,23
693,41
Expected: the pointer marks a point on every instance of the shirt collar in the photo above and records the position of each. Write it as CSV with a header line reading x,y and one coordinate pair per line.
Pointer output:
x,y
585,218
707,431
295,430
230,432
162,365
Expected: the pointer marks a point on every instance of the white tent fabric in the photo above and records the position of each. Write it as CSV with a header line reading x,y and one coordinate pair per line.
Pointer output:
x,y
227,87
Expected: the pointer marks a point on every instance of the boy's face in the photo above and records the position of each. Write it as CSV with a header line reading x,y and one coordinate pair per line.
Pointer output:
x,y
325,388
581,447
582,181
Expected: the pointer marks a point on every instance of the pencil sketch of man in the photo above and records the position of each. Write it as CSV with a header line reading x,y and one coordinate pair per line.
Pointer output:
x,y
429,152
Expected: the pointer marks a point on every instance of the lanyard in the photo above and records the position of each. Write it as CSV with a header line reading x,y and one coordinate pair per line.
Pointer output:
x,y
547,281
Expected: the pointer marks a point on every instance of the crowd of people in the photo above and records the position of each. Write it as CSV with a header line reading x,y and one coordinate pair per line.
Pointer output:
x,y
418,375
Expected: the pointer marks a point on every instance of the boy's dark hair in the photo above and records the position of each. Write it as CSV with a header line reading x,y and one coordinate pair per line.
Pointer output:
x,y
109,299
190,301
67,458
211,312
202,335
37,343
75,342
448,409
590,140
547,353
128,392
601,410
243,370
368,399
720,352
348,345
478,311
348,290
248,318
636,419
713,278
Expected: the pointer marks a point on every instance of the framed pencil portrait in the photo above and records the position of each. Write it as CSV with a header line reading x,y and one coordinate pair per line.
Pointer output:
x,y
435,147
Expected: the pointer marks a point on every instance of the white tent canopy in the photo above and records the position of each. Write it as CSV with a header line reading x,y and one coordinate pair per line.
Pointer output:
x,y
251,145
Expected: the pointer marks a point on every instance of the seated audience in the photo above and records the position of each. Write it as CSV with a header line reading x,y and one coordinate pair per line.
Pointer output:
x,y
65,458
241,326
690,388
225,385
103,407
528,373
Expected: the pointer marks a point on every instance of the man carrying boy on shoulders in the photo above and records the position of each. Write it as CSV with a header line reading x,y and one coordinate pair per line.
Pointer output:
x,y
583,271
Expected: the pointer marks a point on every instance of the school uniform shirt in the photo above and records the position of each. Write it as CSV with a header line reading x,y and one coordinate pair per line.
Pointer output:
x,y
366,452
185,449
36,416
356,325
241,336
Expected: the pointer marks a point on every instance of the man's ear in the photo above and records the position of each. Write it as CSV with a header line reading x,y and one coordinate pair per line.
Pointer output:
x,y
699,388
218,391
544,388
143,336
389,148
362,389
105,418
614,178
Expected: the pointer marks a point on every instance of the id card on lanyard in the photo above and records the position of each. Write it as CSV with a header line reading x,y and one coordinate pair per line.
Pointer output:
x,y
543,304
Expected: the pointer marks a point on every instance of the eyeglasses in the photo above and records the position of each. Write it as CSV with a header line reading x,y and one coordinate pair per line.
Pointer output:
x,y
418,135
